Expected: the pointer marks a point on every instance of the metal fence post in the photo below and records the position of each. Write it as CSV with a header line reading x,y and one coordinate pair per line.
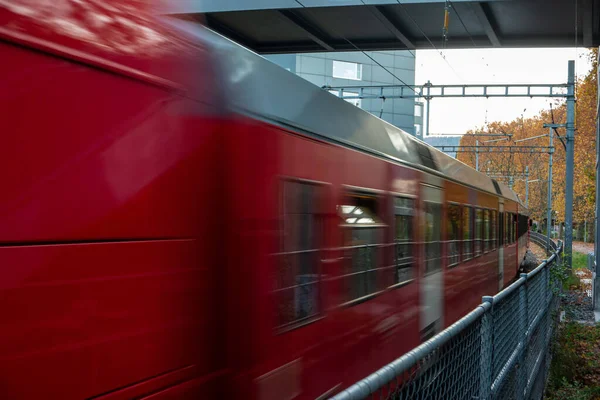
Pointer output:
x,y
487,351
595,282
549,293
523,324
554,285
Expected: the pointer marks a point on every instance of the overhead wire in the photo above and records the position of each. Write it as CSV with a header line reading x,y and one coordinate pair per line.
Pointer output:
x,y
385,25
473,42
463,24
469,33
576,47
365,53
429,40
562,140
375,15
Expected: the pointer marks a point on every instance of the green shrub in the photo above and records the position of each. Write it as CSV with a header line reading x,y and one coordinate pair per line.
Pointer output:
x,y
575,369
579,260
574,391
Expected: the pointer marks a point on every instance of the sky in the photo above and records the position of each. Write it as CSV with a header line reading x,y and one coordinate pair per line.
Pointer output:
x,y
458,115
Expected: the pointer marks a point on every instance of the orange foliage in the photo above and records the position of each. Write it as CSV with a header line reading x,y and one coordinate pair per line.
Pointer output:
x,y
584,186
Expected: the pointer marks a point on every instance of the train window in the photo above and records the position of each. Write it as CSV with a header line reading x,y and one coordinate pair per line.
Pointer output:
x,y
478,231
467,219
486,231
506,228
514,227
509,225
523,225
363,232
433,237
453,234
510,222
493,228
298,270
501,229
403,239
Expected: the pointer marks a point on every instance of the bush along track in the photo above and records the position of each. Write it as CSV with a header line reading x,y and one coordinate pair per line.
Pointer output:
x,y
575,369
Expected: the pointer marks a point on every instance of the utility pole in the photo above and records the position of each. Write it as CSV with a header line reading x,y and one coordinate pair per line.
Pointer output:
x,y
427,86
570,164
596,281
551,128
527,186
549,212
477,155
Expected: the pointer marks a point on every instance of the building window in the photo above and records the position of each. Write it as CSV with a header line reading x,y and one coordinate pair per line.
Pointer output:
x,y
347,70
433,237
418,132
418,109
363,232
453,234
298,268
467,219
403,239
354,102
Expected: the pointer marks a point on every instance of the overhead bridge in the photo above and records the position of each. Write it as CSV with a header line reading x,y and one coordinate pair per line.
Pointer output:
x,y
296,26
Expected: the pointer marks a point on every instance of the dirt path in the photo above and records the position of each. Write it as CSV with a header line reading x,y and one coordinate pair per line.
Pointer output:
x,y
581,247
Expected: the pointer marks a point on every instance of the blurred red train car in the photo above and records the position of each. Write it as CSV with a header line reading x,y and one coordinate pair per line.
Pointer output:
x,y
181,218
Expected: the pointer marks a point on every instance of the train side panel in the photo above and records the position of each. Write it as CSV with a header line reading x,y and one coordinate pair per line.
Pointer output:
x,y
108,209
511,256
522,233
475,275
151,243
313,356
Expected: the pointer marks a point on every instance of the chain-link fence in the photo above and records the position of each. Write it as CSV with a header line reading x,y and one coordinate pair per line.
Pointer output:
x,y
542,241
500,350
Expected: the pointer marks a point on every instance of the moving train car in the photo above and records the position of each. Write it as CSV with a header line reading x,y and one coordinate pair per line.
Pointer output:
x,y
181,218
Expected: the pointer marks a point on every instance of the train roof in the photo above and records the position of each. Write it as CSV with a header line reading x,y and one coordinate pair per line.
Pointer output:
x,y
260,88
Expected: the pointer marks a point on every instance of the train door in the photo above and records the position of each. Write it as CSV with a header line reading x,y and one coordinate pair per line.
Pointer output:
x,y
500,244
432,292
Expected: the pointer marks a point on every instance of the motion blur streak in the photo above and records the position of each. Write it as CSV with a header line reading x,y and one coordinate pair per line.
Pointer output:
x,y
182,219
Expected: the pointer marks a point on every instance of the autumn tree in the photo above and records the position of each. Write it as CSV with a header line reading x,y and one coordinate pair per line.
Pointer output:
x,y
514,164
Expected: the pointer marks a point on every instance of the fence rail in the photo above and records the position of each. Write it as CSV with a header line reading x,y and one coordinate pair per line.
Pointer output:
x,y
500,350
542,241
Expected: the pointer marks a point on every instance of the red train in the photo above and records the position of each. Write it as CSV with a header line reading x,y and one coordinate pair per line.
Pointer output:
x,y
180,218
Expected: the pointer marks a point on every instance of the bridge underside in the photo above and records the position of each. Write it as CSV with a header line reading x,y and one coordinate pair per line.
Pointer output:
x,y
290,26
